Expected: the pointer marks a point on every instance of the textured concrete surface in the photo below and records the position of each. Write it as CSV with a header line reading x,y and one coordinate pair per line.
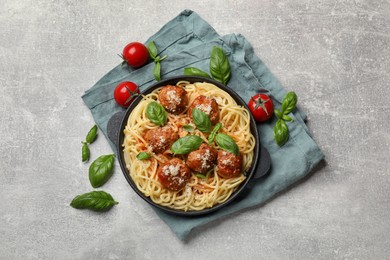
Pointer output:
x,y
334,54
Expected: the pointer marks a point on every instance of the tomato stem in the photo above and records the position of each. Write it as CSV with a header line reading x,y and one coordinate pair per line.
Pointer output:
x,y
261,103
133,94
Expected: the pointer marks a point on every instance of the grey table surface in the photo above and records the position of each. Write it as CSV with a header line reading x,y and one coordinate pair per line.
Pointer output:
x,y
334,54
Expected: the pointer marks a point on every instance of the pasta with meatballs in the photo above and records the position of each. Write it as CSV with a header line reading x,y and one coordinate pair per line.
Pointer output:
x,y
201,173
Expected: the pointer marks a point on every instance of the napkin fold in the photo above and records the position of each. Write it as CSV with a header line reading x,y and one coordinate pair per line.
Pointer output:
x,y
188,40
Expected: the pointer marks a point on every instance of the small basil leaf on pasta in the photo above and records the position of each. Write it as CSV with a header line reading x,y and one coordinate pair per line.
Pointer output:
x,y
227,143
201,120
200,176
95,200
204,176
85,152
101,170
281,132
186,144
219,65
156,113
143,156
191,71
92,134
188,128
213,133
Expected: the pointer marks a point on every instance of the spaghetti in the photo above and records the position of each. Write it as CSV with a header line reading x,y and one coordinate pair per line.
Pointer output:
x,y
201,191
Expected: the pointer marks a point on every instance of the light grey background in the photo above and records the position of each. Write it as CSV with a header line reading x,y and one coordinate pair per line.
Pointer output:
x,y
334,54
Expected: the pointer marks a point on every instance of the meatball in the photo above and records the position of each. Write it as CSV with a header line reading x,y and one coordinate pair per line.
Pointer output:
x,y
173,98
203,159
229,164
161,138
173,174
207,105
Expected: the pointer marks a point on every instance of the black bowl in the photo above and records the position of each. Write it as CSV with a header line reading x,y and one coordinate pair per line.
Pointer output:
x,y
173,81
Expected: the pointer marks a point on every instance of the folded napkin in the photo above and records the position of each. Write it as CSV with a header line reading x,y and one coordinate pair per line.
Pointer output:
x,y
188,40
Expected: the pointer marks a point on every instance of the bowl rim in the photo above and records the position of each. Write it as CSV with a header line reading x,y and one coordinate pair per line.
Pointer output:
x,y
173,81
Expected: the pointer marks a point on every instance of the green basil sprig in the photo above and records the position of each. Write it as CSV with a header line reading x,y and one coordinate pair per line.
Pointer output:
x,y
89,139
85,152
201,120
227,143
101,170
92,134
186,144
281,131
188,128
213,133
289,102
156,113
143,156
95,200
152,49
219,65
191,71
153,53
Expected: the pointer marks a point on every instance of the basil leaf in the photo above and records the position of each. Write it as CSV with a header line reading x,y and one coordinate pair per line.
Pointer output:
x,y
188,128
156,113
152,49
201,176
91,136
217,127
204,176
227,143
201,120
157,71
143,156
101,170
191,71
219,65
278,113
186,144
85,152
287,118
281,132
289,102
95,200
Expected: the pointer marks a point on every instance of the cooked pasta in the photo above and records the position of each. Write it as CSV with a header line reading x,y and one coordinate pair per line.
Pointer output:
x,y
200,192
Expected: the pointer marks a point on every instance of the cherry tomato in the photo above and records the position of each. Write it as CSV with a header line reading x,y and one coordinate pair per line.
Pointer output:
x,y
262,107
135,54
125,93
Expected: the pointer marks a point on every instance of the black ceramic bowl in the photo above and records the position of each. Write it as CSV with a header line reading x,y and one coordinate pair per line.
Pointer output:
x,y
173,81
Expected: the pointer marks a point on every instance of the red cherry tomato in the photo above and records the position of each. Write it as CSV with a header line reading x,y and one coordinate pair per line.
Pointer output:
x,y
262,107
135,54
125,92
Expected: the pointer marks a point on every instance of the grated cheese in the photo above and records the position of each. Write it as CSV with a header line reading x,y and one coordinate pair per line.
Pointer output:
x,y
205,159
205,108
173,98
171,170
174,169
161,142
226,161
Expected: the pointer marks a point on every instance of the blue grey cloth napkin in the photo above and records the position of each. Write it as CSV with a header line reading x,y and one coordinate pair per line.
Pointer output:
x,y
188,40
